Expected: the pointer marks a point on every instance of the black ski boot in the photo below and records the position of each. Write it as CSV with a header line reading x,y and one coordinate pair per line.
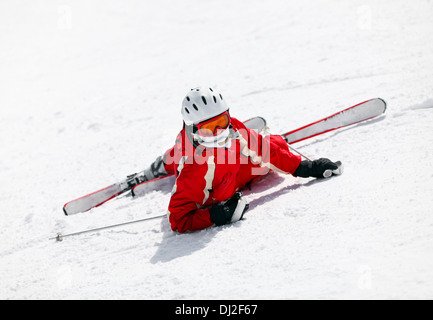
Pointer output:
x,y
156,170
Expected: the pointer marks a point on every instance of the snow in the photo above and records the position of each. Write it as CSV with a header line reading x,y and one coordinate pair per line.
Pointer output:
x,y
91,91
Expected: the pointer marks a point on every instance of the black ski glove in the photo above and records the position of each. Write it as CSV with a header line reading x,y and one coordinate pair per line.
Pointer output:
x,y
230,211
314,168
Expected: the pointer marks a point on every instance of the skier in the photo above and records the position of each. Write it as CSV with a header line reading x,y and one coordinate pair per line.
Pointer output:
x,y
215,156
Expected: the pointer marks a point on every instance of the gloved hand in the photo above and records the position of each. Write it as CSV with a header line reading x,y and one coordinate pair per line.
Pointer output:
x,y
229,211
314,168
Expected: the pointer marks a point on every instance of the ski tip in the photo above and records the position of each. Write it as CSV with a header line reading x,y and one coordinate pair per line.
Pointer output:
x,y
384,104
64,210
263,119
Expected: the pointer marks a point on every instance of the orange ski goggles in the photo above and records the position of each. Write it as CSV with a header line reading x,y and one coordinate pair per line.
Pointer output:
x,y
209,127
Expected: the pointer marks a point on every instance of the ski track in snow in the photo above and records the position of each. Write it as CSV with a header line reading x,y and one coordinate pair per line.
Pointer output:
x,y
91,92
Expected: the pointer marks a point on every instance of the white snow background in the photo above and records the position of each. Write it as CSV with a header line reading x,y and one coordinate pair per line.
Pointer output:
x,y
90,91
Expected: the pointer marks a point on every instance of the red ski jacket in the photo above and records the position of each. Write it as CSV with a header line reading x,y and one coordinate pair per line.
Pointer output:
x,y
207,176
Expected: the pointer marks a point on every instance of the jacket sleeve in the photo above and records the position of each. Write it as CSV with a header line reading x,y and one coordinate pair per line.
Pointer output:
x,y
281,159
189,194
270,151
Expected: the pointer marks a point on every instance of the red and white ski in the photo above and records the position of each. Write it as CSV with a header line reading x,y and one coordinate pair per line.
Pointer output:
x,y
94,199
358,113
361,112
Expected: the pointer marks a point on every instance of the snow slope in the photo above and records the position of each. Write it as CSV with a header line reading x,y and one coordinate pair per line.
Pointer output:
x,y
90,91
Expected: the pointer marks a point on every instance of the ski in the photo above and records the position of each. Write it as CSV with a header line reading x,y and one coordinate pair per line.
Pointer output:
x,y
99,197
361,112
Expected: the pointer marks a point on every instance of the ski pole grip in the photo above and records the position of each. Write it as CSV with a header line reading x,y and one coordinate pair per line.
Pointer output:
x,y
327,173
338,171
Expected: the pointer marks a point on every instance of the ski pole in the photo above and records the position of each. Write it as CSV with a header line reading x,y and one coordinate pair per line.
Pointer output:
x,y
299,152
60,237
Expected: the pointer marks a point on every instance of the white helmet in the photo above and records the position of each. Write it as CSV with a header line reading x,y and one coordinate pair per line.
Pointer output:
x,y
201,104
